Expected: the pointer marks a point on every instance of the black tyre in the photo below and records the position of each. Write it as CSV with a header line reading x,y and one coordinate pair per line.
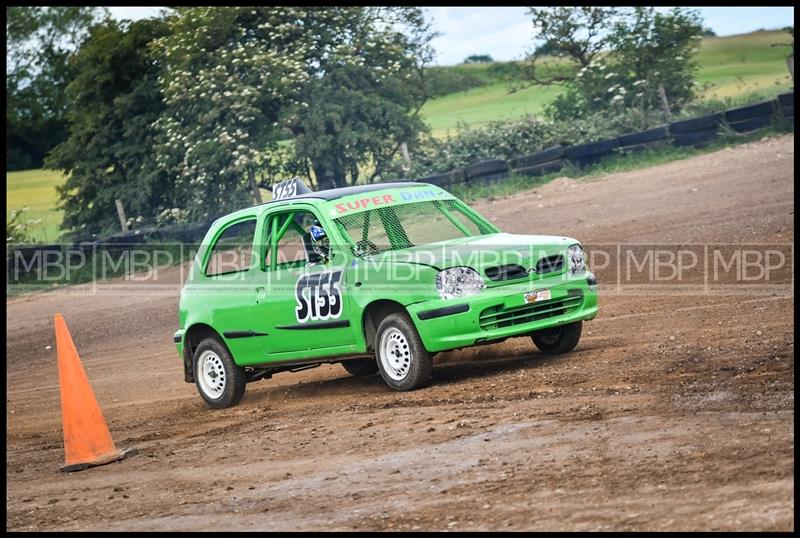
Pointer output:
x,y
556,340
786,99
360,367
583,162
540,157
650,135
445,178
541,169
486,168
641,147
710,121
220,382
695,138
752,124
787,112
749,112
403,361
594,149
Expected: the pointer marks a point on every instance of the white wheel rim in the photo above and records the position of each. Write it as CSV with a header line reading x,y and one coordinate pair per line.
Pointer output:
x,y
212,374
395,354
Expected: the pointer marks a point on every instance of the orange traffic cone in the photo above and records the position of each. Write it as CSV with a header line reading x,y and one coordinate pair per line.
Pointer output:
x,y
87,441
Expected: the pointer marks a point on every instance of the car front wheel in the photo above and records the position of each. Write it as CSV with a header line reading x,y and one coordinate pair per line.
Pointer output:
x,y
220,382
403,361
556,340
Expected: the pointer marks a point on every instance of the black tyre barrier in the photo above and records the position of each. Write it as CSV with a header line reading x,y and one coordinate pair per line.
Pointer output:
x,y
445,178
583,162
786,99
753,124
490,176
603,147
696,124
695,138
640,147
123,239
544,156
651,135
787,112
540,169
749,112
484,168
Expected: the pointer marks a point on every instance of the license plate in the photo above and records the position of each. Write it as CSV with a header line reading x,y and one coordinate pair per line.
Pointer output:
x,y
538,295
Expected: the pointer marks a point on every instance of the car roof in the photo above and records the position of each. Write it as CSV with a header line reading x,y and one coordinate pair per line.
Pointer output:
x,y
327,195
334,194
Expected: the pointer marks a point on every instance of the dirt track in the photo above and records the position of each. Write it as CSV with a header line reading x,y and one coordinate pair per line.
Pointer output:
x,y
674,411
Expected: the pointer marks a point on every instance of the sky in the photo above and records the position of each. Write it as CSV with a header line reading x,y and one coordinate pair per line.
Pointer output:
x,y
506,33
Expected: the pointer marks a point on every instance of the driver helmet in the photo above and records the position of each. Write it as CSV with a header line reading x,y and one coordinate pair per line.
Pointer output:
x,y
319,239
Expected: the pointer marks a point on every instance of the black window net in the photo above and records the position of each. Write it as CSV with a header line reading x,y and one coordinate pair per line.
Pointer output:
x,y
402,226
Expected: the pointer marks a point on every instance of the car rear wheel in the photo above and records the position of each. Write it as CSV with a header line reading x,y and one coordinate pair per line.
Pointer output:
x,y
360,367
403,361
559,339
220,382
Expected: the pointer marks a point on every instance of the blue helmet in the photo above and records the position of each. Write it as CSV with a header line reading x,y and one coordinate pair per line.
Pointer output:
x,y
317,232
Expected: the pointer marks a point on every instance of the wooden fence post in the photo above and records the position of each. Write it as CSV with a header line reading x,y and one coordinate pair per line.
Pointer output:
x,y
406,157
121,213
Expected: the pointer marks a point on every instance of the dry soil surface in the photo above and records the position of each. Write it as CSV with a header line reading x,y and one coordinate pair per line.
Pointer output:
x,y
675,411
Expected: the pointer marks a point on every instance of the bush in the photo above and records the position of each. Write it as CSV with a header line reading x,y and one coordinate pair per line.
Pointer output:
x,y
17,229
514,138
442,81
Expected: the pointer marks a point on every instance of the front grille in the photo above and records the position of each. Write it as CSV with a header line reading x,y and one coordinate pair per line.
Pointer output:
x,y
549,264
497,317
506,272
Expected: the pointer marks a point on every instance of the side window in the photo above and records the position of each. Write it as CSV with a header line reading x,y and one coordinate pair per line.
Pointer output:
x,y
290,250
233,251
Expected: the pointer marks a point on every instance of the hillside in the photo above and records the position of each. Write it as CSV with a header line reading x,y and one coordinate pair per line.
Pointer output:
x,y
731,66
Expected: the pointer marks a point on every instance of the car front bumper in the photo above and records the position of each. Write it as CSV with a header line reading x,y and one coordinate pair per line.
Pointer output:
x,y
500,312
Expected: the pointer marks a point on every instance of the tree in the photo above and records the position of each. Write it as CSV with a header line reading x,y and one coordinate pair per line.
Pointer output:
x,y
478,59
572,38
39,41
790,58
656,49
113,101
612,59
234,78
361,109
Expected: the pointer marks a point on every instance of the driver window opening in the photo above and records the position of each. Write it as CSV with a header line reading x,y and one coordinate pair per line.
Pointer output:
x,y
288,239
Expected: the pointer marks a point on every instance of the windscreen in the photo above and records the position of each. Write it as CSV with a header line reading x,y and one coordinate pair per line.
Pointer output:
x,y
396,227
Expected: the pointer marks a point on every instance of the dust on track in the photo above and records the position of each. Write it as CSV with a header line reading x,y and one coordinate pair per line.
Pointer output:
x,y
674,412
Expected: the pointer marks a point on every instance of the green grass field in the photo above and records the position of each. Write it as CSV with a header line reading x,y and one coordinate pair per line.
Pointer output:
x,y
36,190
732,65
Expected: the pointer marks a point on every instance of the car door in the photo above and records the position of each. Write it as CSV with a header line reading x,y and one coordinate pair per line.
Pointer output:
x,y
227,272
302,305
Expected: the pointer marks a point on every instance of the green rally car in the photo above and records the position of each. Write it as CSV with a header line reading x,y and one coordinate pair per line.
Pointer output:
x,y
379,278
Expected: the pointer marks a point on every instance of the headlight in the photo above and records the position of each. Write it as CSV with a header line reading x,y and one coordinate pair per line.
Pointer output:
x,y
577,259
458,282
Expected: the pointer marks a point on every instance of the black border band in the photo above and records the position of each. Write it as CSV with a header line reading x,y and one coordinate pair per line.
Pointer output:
x,y
335,324
446,311
241,334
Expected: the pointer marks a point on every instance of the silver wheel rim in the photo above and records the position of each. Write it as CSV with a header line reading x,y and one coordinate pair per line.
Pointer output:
x,y
212,374
395,354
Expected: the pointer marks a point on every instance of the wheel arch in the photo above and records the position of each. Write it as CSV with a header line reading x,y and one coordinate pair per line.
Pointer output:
x,y
192,338
374,312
